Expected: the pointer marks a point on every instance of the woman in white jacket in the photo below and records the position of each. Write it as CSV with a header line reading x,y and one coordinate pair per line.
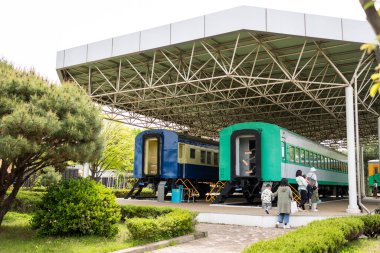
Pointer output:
x,y
302,184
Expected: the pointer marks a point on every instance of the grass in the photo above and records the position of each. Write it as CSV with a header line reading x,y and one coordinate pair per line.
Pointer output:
x,y
17,236
362,246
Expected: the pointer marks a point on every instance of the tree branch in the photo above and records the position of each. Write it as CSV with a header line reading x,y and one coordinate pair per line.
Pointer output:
x,y
372,16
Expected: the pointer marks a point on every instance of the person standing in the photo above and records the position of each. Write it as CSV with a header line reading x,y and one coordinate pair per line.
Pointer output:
x,y
266,198
284,194
314,199
375,188
302,184
312,177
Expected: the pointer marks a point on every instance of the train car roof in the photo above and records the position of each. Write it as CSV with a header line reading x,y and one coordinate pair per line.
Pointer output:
x,y
184,136
193,138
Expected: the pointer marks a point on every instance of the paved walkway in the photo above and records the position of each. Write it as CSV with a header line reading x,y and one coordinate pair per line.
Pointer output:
x,y
224,239
329,208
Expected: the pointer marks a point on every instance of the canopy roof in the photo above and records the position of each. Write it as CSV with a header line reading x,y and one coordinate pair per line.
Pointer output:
x,y
242,64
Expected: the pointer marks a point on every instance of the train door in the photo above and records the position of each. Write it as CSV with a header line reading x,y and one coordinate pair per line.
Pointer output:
x,y
152,155
246,154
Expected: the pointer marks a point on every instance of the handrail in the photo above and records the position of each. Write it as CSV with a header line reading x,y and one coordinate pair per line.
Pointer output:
x,y
218,187
296,195
192,190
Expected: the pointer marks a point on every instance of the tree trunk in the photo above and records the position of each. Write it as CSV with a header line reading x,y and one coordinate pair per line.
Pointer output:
x,y
6,202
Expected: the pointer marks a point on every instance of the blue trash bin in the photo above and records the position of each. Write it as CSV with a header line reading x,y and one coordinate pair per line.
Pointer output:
x,y
177,194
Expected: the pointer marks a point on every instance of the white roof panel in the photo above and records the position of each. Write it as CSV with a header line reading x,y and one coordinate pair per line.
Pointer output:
x,y
188,30
155,37
99,50
323,27
250,18
126,44
231,20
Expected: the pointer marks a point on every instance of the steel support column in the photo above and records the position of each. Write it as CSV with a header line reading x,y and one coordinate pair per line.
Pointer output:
x,y
353,203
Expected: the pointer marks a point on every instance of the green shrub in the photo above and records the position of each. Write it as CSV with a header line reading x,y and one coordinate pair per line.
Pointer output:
x,y
155,223
49,177
27,201
131,211
319,236
77,206
371,225
121,193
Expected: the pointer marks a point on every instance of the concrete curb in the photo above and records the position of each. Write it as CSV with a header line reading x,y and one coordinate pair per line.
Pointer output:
x,y
163,244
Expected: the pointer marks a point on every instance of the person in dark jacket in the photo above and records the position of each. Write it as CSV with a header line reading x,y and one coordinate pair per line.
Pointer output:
x,y
284,194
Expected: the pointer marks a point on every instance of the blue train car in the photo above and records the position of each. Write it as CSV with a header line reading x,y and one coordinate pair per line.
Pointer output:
x,y
167,155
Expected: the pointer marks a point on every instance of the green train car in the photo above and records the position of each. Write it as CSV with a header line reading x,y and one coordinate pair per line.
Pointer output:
x,y
254,153
373,171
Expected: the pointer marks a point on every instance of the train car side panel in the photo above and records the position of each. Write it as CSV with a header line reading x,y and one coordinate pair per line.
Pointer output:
x,y
271,152
138,161
170,155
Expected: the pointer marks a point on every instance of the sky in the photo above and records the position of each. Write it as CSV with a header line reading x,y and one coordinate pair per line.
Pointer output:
x,y
32,31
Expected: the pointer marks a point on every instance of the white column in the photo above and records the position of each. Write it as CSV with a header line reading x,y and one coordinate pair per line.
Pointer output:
x,y
352,204
86,170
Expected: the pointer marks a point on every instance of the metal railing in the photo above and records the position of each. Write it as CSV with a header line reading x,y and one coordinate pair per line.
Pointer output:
x,y
296,195
215,191
189,189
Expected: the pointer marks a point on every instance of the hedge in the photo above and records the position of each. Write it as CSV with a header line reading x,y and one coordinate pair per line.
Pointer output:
x,y
27,201
156,223
371,225
321,236
77,207
121,193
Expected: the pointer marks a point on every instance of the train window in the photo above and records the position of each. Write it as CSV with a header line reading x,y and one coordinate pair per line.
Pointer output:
x,y
302,156
203,156
209,157
290,153
297,155
376,170
216,159
318,160
311,159
307,160
316,163
283,151
180,150
192,153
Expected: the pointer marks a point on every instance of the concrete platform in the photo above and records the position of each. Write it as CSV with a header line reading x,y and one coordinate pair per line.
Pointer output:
x,y
254,216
